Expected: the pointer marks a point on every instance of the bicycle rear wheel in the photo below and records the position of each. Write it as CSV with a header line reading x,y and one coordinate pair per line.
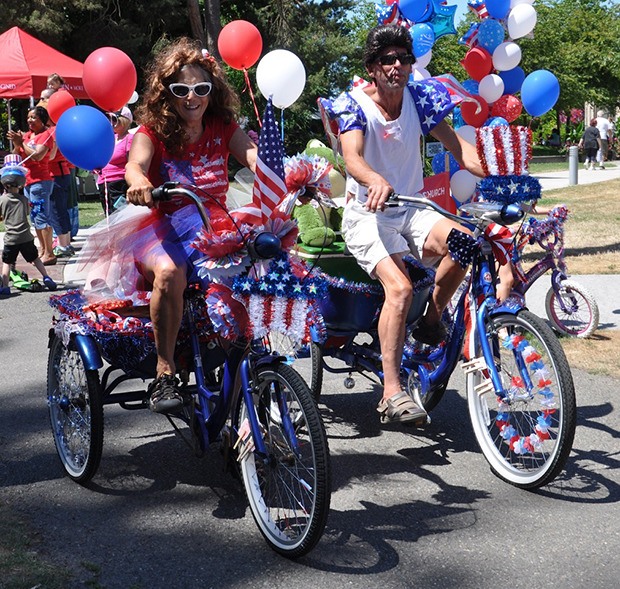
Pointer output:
x,y
76,411
527,437
580,319
289,489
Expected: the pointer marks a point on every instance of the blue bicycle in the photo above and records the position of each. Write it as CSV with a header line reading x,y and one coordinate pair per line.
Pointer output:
x,y
243,397
520,391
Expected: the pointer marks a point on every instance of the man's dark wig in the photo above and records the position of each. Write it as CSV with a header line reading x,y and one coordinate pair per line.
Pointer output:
x,y
385,36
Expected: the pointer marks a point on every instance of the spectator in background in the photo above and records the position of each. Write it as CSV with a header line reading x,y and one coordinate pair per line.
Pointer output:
x,y
591,143
45,96
34,148
55,82
111,182
602,123
59,219
554,138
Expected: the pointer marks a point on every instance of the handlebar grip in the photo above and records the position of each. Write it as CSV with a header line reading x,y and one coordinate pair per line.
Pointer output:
x,y
161,192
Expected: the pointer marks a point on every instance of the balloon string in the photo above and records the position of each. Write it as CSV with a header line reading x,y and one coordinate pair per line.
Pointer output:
x,y
282,125
249,86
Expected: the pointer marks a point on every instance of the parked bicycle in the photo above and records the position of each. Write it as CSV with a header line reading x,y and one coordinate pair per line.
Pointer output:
x,y
242,396
519,387
570,307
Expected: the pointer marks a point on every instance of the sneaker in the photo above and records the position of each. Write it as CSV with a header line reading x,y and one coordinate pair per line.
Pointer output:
x,y
432,335
5,291
49,283
63,252
164,393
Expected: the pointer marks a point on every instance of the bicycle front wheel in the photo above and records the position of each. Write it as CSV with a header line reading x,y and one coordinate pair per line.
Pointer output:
x,y
579,317
75,407
307,360
289,488
526,432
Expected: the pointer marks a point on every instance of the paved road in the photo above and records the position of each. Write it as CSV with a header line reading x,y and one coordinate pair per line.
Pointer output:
x,y
410,508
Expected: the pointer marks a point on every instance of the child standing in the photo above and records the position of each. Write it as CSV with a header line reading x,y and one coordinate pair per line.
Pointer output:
x,y
14,209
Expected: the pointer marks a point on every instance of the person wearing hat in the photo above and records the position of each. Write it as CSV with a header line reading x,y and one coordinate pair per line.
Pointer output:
x,y
111,181
14,209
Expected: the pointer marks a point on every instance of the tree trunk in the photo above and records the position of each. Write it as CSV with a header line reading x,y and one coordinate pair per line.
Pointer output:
x,y
213,25
198,30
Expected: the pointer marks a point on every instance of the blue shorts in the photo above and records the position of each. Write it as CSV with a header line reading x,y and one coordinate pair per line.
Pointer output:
x,y
38,194
59,213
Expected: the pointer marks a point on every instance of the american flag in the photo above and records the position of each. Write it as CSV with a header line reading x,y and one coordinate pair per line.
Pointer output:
x,y
269,187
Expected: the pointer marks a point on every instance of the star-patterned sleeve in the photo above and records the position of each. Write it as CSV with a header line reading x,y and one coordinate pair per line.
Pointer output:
x,y
346,111
432,102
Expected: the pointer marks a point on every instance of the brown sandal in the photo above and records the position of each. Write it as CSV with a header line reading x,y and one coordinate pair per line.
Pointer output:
x,y
401,408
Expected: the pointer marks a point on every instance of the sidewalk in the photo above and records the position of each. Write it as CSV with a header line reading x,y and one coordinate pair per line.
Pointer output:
x,y
553,180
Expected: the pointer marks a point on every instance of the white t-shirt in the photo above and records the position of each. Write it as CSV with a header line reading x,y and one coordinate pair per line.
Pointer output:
x,y
391,145
603,126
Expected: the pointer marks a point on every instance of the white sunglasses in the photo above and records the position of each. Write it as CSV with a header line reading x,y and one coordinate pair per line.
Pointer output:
x,y
201,89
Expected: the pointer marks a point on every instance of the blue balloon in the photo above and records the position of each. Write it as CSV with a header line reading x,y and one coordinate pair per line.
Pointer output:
x,y
471,86
513,79
539,92
438,163
498,8
490,34
496,122
423,37
417,10
85,137
457,118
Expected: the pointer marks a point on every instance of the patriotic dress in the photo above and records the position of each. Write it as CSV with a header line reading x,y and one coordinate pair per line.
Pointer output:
x,y
111,261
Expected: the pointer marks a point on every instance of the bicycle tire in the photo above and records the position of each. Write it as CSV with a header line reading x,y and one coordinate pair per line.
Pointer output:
x,y
527,440
580,322
289,494
312,373
75,405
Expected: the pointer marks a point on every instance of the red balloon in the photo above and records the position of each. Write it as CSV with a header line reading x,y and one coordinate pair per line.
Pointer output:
x,y
478,63
508,107
109,78
468,112
58,103
240,44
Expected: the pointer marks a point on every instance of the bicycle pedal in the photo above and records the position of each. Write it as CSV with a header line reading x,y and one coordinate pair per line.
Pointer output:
x,y
474,365
484,387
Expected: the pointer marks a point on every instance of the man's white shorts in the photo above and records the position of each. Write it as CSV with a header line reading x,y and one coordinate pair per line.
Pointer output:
x,y
371,237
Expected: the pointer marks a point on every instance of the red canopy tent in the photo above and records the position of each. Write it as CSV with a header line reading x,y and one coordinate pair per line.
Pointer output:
x,y
26,62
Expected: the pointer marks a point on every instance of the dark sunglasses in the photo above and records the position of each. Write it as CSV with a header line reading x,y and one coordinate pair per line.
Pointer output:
x,y
201,89
390,59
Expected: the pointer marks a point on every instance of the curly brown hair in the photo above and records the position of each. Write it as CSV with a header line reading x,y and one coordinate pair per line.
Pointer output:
x,y
156,111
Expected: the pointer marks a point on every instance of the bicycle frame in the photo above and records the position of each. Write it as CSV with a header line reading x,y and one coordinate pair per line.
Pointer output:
x,y
481,286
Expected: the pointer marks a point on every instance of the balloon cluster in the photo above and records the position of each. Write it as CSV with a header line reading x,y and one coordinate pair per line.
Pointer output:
x,y
280,74
497,87
493,59
427,21
83,133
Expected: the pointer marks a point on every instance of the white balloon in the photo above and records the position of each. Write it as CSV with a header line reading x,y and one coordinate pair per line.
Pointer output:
x,y
468,133
463,185
514,3
281,75
506,56
134,98
424,60
491,88
419,74
521,20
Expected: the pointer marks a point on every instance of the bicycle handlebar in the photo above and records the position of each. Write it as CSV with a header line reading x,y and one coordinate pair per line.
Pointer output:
x,y
482,213
263,245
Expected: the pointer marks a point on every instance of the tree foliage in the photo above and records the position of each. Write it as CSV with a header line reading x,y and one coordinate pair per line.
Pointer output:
x,y
578,40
